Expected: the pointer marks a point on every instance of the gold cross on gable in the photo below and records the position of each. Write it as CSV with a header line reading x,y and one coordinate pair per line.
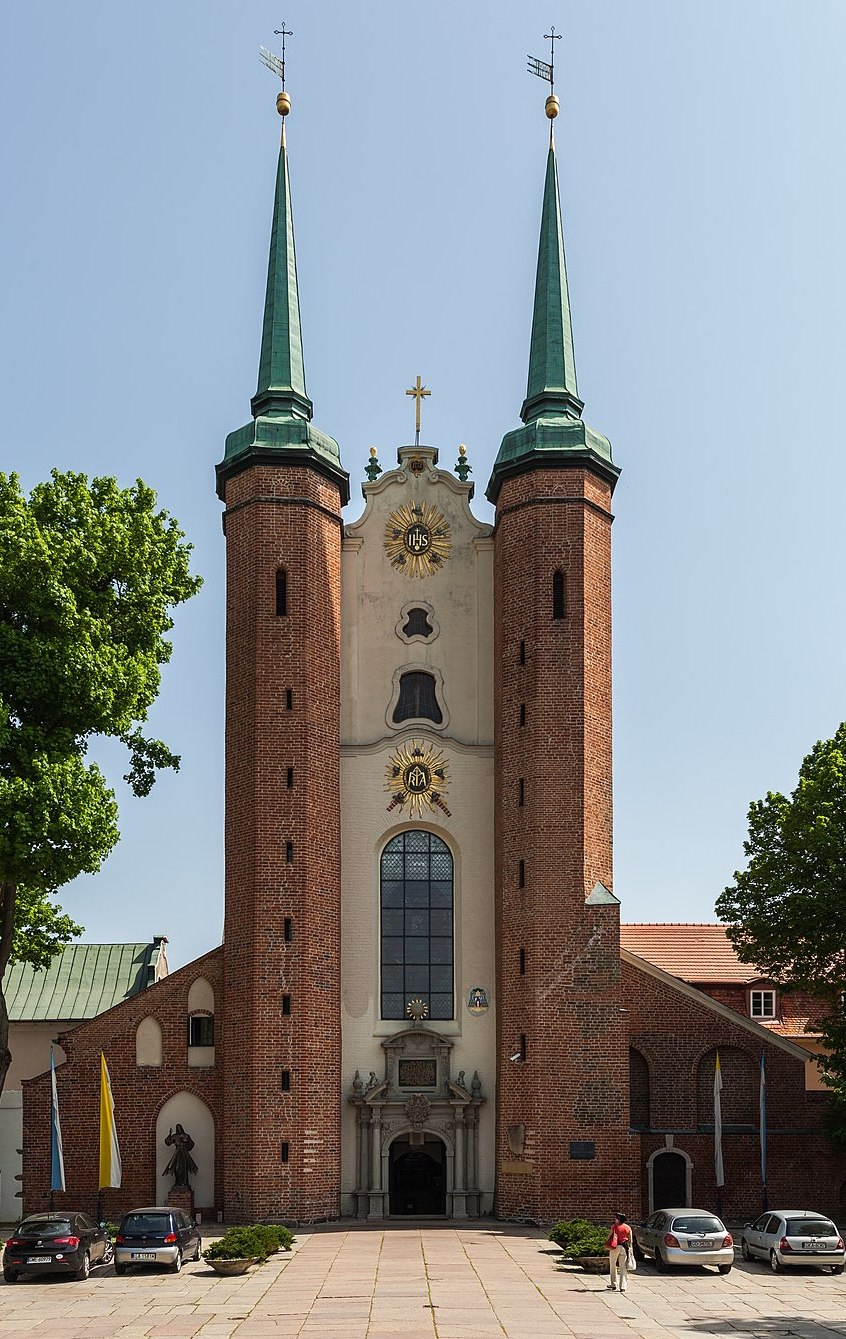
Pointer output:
x,y
419,392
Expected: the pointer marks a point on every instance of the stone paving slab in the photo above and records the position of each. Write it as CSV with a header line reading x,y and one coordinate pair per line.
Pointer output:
x,y
469,1281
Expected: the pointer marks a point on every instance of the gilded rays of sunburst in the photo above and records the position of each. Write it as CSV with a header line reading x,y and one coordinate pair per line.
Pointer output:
x,y
417,776
417,539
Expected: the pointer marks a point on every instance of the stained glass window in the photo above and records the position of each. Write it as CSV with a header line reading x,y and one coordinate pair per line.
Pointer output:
x,y
417,925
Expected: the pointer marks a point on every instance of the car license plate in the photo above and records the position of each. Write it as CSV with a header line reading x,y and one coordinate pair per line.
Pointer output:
x,y
142,1255
39,1259
699,1245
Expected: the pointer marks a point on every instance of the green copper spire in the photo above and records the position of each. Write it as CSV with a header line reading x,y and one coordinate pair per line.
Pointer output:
x,y
281,430
552,364
554,433
281,378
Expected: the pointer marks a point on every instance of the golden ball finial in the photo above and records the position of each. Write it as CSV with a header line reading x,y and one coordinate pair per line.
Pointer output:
x,y
462,450
373,451
283,103
553,106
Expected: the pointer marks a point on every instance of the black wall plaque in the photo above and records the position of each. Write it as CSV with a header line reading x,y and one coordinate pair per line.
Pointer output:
x,y
582,1150
418,1074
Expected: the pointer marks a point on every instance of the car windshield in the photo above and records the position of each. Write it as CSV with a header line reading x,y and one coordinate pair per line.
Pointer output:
x,y
53,1227
810,1227
698,1226
146,1224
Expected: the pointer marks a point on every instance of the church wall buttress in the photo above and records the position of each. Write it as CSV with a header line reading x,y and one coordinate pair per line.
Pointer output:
x,y
282,845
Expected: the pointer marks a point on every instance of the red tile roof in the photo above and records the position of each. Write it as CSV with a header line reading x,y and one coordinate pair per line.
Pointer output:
x,y
699,954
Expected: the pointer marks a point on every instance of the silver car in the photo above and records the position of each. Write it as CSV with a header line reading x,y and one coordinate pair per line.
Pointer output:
x,y
685,1237
794,1237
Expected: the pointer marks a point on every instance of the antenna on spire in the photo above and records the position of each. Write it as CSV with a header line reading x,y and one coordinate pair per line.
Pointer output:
x,y
546,70
277,66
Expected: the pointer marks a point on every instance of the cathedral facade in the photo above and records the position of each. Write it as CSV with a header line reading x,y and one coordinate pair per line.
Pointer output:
x,y
421,1006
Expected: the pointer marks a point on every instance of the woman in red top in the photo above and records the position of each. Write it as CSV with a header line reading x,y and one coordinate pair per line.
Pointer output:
x,y
619,1243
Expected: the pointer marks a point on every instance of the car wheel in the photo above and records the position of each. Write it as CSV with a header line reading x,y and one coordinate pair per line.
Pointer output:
x,y
199,1249
84,1268
120,1269
177,1264
775,1263
744,1250
837,1269
108,1254
638,1254
660,1262
10,1275
724,1269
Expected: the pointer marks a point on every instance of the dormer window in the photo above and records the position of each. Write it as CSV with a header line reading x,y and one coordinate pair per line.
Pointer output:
x,y
762,1004
417,699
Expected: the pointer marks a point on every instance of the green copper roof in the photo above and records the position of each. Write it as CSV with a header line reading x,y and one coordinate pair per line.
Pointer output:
x,y
281,429
281,378
552,363
554,433
80,982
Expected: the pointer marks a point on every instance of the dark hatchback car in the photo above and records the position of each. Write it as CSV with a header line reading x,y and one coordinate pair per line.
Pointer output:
x,y
156,1236
56,1243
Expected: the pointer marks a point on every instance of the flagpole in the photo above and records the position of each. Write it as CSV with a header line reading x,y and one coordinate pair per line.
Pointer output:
x,y
762,1125
719,1171
57,1159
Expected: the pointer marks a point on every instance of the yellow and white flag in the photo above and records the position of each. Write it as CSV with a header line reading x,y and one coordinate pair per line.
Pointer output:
x,y
719,1174
110,1167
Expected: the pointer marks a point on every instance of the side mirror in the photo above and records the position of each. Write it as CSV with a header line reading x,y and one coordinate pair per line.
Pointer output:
x,y
747,1224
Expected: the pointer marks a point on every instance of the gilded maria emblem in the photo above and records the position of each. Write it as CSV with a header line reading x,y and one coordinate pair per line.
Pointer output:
x,y
417,777
417,539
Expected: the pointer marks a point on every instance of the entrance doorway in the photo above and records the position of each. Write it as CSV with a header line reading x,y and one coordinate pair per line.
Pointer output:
x,y
417,1176
669,1181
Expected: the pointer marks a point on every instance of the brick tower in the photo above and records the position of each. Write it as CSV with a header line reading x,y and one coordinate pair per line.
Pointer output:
x,y
283,487
562,1119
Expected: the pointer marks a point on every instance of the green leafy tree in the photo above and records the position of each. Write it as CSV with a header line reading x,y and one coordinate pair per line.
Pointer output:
x,y
786,912
89,573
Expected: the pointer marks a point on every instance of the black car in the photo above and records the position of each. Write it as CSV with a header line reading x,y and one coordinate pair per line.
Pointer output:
x,y
156,1236
56,1243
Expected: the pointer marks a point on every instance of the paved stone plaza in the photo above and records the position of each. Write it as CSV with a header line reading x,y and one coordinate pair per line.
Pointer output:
x,y
425,1282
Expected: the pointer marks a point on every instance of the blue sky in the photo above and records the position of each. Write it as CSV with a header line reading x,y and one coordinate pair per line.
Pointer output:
x,y
702,184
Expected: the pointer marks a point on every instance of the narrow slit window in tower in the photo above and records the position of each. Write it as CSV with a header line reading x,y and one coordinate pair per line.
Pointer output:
x,y
521,874
287,930
521,792
283,1153
522,653
522,713
285,1081
524,1050
286,1005
281,593
289,699
289,853
559,598
522,962
289,780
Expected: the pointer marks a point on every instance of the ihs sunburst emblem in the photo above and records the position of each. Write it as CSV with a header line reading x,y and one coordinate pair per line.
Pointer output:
x,y
417,539
417,777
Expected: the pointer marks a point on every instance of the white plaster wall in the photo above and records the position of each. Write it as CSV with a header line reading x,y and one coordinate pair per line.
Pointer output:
x,y
461,598
29,1044
11,1134
194,1116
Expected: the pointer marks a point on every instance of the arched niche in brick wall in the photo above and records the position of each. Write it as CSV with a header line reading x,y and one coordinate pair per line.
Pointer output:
x,y
739,1095
201,996
191,1112
148,1042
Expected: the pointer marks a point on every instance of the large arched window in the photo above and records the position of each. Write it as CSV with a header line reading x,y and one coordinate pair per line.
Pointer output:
x,y
416,890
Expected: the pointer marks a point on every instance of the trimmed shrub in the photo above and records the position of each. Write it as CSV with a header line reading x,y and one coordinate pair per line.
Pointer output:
x,y
277,1237
240,1243
577,1237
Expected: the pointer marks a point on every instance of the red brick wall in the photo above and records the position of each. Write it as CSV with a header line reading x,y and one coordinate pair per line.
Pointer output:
x,y
282,516
677,1036
574,1084
139,1094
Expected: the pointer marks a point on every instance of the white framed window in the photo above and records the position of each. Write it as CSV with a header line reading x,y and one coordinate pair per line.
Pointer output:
x,y
762,1004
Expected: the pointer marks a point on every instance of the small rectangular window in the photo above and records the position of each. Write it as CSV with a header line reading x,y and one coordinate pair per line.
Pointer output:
x,y
522,962
281,593
289,853
522,653
289,699
559,596
522,713
201,1030
286,1006
521,792
521,874
287,930
290,778
285,1080
762,1003
524,1050
284,1151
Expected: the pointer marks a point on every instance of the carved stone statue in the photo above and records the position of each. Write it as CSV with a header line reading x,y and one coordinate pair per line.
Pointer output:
x,y
181,1163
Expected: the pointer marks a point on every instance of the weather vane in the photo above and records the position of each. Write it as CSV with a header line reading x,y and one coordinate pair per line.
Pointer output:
x,y
419,392
546,70
283,102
